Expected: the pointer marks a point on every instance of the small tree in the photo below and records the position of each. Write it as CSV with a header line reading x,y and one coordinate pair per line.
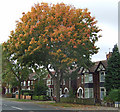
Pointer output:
x,y
71,93
40,88
13,73
112,78
114,95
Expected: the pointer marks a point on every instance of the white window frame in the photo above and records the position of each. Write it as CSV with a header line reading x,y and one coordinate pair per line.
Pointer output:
x,y
100,76
31,82
88,96
88,78
21,83
24,83
82,79
28,83
48,82
80,88
104,92
65,90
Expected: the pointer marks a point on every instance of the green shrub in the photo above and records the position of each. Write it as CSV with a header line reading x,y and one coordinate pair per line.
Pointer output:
x,y
114,95
41,98
67,100
40,88
27,94
35,97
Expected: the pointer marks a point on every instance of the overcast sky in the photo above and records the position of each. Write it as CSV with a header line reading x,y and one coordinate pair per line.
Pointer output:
x,y
105,12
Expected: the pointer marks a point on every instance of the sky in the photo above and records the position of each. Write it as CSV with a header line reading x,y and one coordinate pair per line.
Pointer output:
x,y
105,12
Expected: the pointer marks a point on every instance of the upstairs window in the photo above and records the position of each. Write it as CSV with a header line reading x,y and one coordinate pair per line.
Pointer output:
x,y
31,82
24,83
82,79
102,76
28,83
49,82
88,78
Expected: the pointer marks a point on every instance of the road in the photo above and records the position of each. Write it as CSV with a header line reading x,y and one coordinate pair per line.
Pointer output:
x,y
14,106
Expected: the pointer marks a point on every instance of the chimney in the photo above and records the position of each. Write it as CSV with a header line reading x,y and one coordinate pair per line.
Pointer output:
x,y
108,55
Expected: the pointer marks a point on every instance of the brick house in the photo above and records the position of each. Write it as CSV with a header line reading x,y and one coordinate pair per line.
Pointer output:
x,y
88,84
29,83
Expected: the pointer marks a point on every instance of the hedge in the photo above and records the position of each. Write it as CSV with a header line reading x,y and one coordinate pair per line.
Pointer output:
x,y
41,98
88,101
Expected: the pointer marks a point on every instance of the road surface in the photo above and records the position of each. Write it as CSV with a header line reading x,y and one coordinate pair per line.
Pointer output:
x,y
14,106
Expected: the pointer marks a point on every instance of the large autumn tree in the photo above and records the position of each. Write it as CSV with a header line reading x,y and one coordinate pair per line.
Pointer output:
x,y
54,36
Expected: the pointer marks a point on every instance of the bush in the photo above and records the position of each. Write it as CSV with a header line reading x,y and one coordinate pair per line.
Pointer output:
x,y
71,93
35,97
114,95
40,98
27,92
67,100
40,88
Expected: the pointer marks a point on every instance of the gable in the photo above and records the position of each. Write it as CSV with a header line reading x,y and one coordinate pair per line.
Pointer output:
x,y
100,67
85,71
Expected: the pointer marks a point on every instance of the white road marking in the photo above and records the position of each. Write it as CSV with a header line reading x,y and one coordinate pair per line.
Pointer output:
x,y
16,108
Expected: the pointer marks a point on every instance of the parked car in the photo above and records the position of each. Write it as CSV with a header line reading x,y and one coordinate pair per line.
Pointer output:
x,y
64,95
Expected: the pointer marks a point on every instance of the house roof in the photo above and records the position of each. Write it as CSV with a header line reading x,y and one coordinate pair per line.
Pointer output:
x,y
96,65
32,76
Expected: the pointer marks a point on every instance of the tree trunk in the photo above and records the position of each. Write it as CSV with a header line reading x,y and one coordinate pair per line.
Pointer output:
x,y
19,87
57,87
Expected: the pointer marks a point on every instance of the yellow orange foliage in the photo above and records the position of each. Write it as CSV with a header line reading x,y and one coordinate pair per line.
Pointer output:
x,y
55,30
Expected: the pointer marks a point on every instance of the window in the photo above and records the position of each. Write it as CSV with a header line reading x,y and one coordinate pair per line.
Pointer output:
x,y
21,83
80,92
88,92
24,83
82,80
102,93
50,92
31,82
102,76
63,81
49,82
28,83
88,78
60,91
